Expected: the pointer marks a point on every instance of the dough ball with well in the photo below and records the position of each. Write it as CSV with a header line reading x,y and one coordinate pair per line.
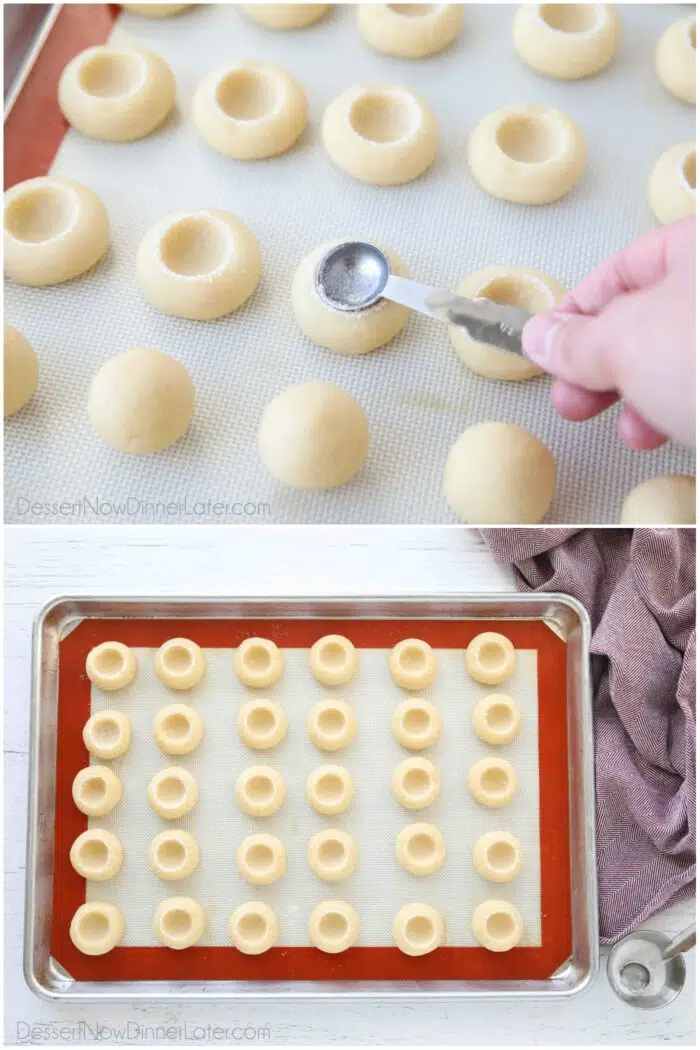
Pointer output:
x,y
668,499
20,370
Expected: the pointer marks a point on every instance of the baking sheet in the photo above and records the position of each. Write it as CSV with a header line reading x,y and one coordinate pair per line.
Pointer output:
x,y
417,393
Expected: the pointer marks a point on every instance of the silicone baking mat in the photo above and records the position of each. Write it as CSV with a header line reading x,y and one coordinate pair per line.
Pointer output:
x,y
538,814
418,395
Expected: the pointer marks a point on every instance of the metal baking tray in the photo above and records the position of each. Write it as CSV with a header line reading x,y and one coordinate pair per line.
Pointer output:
x,y
563,614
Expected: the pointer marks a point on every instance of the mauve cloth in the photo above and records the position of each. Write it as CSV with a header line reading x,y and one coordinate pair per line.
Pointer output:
x,y
639,589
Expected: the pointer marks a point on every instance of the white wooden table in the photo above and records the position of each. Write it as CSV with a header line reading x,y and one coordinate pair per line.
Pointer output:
x,y
41,563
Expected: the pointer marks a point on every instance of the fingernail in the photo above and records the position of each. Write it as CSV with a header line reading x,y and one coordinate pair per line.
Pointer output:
x,y
538,336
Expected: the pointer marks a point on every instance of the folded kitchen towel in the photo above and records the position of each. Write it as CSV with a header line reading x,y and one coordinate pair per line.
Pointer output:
x,y
639,589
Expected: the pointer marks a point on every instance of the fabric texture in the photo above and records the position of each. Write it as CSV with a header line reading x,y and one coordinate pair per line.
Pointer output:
x,y
639,589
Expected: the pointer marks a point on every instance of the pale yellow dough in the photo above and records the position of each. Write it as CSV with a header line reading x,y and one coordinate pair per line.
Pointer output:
x,y
676,59
410,30
173,792
497,856
250,110
97,855
180,663
420,849
671,188
416,723
111,665
332,854
418,929
179,922
490,658
262,724
496,719
141,401
333,660
416,783
492,782
20,371
96,790
285,16
258,662
497,925
156,10
329,789
253,927
178,729
383,134
412,664
511,286
55,230
313,436
527,154
260,791
332,725
261,859
567,41
96,928
334,926
107,734
173,855
668,499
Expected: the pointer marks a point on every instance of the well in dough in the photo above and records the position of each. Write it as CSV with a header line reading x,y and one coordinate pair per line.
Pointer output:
x,y
420,849
410,30
262,724
490,658
497,856
156,10
566,41
418,929
383,134
260,791
173,854
96,928
492,782
333,660
141,401
332,724
416,783
329,789
179,663
416,723
97,855
20,371
510,286
96,790
671,187
313,436
497,925
499,474
285,16
178,729
107,734
332,854
261,859
173,792
527,154
250,110
55,230
179,922
496,719
258,662
253,927
334,926
668,499
412,664
676,59
111,665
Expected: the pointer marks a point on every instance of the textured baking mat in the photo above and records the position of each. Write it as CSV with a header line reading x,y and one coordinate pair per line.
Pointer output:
x,y
417,393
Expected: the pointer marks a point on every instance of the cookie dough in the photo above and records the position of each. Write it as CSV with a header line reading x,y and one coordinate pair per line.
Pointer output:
x,y
511,286
20,371
313,436
496,719
250,110
262,724
492,782
179,663
497,925
499,474
668,499
173,855
332,725
173,792
178,729
333,660
96,928
332,854
490,658
410,30
260,791
412,664
497,856
179,922
261,859
285,16
97,855
527,154
416,723
675,59
416,783
420,849
418,929
329,789
156,10
671,188
141,401
96,790
198,264
116,94
334,926
258,662
253,927
107,734
55,230
566,41
111,665
382,134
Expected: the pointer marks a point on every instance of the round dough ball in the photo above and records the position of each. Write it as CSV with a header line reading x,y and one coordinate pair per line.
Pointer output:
x,y
253,927
527,154
179,663
332,725
262,859
416,723
671,189
285,16
418,929
492,782
178,729
111,666
250,110
497,856
382,134
490,658
97,855
141,401
332,854
55,230
258,662
675,59
499,474
179,922
260,791
156,10
410,30
420,849
116,94
262,724
333,660
313,436
412,664
173,854
198,264
334,926
173,792
497,925
20,371
329,789
107,734
96,928
566,41
668,499
496,719
510,286
96,790
416,783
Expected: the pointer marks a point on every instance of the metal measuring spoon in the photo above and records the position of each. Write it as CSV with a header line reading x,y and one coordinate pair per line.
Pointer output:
x,y
356,275
647,969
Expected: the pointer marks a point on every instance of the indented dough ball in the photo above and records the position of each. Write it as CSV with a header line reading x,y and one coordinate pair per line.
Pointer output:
x,y
20,371
499,474
313,436
410,30
96,927
141,401
671,188
285,16
676,59
668,499
566,41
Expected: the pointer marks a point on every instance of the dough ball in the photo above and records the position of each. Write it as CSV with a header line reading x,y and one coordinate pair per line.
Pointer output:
x,y
96,928
96,790
258,662
420,849
178,729
173,792
329,789
179,922
253,927
179,663
97,855
260,791
499,474
111,666
497,925
492,782
313,436
285,16
262,859
20,371
668,499
333,660
497,856
332,854
490,658
410,30
510,286
107,734
416,723
671,189
566,41
173,854
156,10
496,719
141,401
334,926
332,725
416,783
676,59
412,664
262,724
418,929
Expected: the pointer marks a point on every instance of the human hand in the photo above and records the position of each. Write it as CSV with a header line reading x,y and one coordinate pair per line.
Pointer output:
x,y
627,332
